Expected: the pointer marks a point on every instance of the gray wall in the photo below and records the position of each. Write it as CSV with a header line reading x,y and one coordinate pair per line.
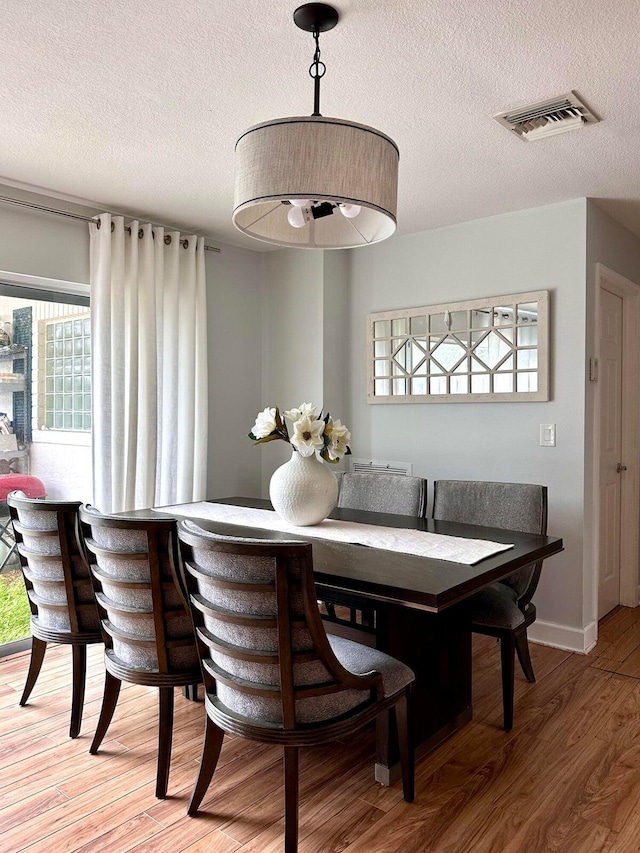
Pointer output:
x,y
293,353
235,280
40,244
335,320
541,249
305,348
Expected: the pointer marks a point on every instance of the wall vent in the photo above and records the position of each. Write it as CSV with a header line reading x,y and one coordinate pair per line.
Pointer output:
x,y
370,466
547,118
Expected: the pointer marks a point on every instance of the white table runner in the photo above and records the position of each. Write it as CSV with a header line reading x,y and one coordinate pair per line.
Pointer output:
x,y
454,549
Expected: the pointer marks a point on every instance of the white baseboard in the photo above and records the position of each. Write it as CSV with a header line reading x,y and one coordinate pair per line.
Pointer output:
x,y
580,640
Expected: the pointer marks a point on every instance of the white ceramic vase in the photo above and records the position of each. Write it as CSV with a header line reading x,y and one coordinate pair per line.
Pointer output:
x,y
303,491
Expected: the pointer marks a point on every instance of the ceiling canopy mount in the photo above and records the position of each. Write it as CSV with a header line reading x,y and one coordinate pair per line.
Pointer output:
x,y
315,17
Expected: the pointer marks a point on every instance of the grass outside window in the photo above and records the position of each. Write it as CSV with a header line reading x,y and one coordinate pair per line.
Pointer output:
x,y
14,607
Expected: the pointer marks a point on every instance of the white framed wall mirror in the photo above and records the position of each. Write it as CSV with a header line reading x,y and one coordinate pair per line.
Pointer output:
x,y
493,349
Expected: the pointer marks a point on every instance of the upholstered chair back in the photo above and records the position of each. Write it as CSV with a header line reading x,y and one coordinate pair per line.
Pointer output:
x,y
264,651
511,506
55,575
144,622
392,493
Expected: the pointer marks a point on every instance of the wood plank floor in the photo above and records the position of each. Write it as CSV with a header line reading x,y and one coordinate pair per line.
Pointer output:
x,y
567,778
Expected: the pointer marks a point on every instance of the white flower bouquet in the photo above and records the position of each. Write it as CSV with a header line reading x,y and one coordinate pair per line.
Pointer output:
x,y
312,433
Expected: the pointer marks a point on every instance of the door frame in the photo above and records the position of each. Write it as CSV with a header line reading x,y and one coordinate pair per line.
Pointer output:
x,y
629,292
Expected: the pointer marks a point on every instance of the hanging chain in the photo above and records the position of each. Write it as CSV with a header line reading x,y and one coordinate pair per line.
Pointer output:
x,y
314,68
317,71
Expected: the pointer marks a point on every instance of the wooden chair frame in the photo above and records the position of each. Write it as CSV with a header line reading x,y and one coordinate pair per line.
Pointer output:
x,y
71,558
161,542
290,734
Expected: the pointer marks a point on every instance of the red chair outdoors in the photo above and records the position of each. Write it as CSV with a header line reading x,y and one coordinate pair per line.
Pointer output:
x,y
33,488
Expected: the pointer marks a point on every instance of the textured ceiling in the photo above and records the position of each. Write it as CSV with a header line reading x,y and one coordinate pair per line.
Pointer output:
x,y
136,105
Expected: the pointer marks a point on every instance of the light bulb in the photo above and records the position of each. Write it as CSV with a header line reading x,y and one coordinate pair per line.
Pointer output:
x,y
299,202
350,210
296,217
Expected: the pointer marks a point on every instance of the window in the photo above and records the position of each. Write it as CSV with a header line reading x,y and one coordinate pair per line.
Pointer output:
x,y
61,459
66,358
481,350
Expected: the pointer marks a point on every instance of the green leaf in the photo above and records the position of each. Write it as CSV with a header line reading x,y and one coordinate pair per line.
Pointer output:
x,y
281,425
274,436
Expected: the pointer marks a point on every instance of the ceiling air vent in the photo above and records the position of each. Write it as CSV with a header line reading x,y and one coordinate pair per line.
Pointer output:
x,y
546,118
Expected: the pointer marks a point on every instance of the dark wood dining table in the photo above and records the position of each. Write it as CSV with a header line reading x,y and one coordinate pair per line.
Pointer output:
x,y
423,614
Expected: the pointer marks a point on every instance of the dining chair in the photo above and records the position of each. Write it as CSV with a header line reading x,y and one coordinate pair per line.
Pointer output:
x,y
395,494
270,671
146,629
63,608
505,609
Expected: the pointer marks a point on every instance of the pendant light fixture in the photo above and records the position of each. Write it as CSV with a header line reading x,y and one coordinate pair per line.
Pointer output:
x,y
313,182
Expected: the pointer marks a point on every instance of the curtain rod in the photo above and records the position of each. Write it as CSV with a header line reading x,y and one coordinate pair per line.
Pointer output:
x,y
32,206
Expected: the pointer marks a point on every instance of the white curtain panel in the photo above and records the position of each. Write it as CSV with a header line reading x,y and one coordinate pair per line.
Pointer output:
x,y
149,366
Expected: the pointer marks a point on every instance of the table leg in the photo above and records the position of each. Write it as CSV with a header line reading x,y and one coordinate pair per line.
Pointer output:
x,y
437,646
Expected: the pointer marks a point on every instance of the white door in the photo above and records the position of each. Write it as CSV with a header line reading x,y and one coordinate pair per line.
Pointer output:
x,y
610,450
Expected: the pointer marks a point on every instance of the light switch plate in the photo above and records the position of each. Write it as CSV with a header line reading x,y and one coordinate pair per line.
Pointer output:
x,y
547,435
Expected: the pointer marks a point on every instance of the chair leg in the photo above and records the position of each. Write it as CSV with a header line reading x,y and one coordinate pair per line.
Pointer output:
x,y
8,540
109,699
190,692
331,611
406,749
213,737
507,654
165,738
38,648
290,799
77,694
522,648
